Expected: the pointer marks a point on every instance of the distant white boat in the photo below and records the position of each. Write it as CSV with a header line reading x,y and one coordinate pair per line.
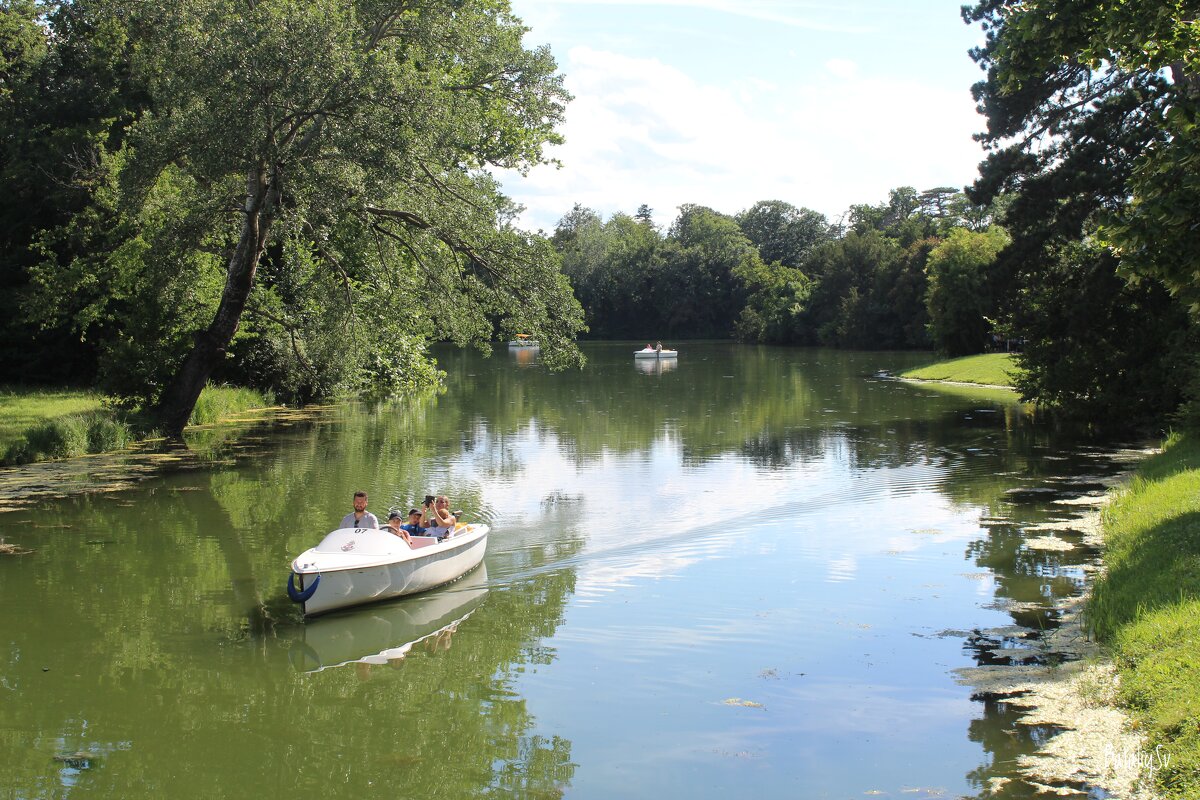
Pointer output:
x,y
650,352
523,340
361,565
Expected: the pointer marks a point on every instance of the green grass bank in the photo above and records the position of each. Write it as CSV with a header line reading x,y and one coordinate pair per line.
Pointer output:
x,y
991,369
37,424
22,408
1146,609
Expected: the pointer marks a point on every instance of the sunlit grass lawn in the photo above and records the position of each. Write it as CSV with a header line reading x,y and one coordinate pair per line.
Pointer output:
x,y
990,368
22,408
1147,608
40,424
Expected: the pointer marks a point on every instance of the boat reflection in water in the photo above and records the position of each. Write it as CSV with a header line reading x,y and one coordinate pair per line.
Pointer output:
x,y
656,366
385,632
525,356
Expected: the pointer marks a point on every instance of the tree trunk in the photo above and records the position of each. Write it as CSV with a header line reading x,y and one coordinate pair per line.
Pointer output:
x,y
181,393
1187,81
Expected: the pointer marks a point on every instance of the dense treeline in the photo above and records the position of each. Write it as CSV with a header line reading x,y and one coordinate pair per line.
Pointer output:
x,y
909,273
295,196
925,270
1080,240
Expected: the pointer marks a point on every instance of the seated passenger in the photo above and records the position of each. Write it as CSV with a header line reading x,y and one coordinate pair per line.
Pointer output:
x,y
360,517
413,525
394,526
437,516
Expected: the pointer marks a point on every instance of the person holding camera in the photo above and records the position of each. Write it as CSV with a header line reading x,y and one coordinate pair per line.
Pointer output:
x,y
437,515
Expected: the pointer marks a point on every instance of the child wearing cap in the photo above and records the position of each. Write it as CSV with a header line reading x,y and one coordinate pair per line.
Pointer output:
x,y
394,526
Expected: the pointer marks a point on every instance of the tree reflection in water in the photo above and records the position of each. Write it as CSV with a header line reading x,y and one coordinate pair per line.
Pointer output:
x,y
172,654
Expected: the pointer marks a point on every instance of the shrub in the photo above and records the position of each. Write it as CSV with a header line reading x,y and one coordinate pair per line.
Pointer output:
x,y
71,435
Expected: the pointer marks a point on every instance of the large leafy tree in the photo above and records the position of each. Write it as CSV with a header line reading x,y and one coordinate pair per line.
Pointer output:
x,y
847,272
636,283
320,168
777,296
615,268
1059,70
707,257
1088,106
1104,349
782,232
66,99
959,296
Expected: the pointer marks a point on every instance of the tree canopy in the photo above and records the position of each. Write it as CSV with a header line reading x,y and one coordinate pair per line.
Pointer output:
x,y
317,170
1091,110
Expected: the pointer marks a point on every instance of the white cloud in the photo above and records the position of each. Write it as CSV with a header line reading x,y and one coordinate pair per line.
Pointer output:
x,y
803,15
842,68
643,131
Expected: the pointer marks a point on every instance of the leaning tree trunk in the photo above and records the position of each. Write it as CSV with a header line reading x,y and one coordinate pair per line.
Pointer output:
x,y
181,393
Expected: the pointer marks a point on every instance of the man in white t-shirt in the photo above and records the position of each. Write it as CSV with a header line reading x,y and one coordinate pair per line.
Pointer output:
x,y
360,517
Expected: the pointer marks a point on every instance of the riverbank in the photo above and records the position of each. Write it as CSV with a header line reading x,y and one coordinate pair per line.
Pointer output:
x,y
21,408
993,370
40,424
1070,689
1146,609
1126,695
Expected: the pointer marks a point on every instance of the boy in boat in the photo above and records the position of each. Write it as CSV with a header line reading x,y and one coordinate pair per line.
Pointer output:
x,y
413,525
360,517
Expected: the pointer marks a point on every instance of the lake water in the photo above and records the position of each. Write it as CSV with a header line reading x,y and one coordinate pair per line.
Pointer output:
x,y
750,573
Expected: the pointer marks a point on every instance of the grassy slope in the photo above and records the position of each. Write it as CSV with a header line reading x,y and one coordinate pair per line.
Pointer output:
x,y
1147,608
990,368
22,408
42,424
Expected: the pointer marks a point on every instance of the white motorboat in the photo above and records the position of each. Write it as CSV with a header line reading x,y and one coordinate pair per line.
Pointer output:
x,y
361,565
524,340
650,352
387,631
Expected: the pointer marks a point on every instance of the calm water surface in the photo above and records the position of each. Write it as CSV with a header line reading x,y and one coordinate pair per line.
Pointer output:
x,y
750,573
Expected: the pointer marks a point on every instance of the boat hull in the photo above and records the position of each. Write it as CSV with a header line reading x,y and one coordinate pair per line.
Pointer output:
x,y
429,565
656,354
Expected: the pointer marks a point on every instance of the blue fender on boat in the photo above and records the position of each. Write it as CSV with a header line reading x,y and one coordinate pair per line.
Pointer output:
x,y
300,596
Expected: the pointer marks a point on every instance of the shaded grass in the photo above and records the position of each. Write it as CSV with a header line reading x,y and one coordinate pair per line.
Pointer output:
x,y
1147,607
52,431
994,369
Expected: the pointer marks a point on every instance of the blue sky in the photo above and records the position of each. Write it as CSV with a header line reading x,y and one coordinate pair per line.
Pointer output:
x,y
727,102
